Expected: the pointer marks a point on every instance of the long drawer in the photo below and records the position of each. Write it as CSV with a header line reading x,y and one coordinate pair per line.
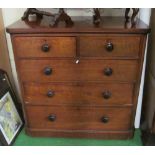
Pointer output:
x,y
78,118
96,94
75,70
45,46
109,46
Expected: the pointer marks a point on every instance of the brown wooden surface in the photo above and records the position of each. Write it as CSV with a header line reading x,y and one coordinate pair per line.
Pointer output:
x,y
68,70
81,134
32,46
81,24
78,118
123,46
75,94
75,82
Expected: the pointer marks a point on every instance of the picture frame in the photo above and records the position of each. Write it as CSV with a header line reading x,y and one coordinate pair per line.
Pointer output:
x,y
10,120
8,99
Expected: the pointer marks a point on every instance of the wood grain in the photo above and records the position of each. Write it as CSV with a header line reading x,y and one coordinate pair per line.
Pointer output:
x,y
81,134
123,46
68,70
75,94
29,47
78,118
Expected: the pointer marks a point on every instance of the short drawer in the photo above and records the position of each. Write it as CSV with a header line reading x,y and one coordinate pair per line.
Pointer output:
x,y
77,93
45,46
69,70
78,118
109,46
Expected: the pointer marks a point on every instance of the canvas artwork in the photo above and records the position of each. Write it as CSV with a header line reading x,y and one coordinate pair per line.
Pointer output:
x,y
10,121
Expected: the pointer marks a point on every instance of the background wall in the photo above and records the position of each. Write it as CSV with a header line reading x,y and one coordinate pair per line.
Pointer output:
x,y
12,15
4,55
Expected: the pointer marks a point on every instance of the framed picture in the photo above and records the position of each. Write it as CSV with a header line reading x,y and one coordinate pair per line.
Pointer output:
x,y
10,121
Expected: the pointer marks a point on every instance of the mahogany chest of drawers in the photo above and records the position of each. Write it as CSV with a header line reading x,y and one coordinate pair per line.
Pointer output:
x,y
79,81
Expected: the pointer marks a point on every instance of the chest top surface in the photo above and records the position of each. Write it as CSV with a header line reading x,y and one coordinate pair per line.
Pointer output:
x,y
81,25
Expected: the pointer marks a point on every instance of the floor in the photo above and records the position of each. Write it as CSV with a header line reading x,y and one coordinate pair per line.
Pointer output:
x,y
24,140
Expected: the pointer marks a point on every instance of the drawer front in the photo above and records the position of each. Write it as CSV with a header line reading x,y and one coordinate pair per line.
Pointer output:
x,y
66,70
116,46
78,118
45,46
96,94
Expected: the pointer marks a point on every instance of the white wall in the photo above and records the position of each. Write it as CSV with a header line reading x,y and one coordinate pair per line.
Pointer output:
x,y
12,15
9,17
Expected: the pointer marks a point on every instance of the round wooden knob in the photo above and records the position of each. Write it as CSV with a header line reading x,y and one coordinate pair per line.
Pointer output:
x,y
45,48
52,117
109,47
105,119
106,94
50,93
108,71
48,71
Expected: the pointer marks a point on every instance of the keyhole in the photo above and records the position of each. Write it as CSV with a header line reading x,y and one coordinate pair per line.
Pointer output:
x,y
77,61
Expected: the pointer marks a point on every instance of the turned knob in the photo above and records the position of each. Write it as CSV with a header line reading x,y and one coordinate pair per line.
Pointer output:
x,y
109,46
45,48
52,117
48,71
105,119
50,93
108,71
106,94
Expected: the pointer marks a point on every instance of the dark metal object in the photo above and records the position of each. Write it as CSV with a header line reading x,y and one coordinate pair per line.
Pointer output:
x,y
52,117
50,93
108,71
105,119
45,47
34,11
96,16
133,16
109,46
106,94
48,71
62,16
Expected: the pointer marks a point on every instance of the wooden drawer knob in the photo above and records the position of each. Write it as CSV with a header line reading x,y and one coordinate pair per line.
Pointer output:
x,y
52,117
109,46
45,47
50,93
106,94
48,71
105,119
108,71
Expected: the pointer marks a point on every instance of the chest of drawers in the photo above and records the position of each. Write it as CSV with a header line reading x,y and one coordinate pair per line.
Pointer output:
x,y
79,81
